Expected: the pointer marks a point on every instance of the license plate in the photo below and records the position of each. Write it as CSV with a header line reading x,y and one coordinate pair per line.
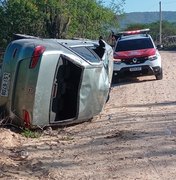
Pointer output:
x,y
5,84
135,69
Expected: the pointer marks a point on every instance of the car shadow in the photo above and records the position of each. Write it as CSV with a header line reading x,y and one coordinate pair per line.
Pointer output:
x,y
129,80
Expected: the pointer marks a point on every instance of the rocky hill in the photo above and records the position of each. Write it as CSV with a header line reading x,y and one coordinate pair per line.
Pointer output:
x,y
146,17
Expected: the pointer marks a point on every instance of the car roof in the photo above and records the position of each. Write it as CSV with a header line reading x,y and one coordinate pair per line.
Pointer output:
x,y
76,42
64,42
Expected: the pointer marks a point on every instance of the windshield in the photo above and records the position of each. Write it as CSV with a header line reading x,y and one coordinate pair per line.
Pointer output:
x,y
134,44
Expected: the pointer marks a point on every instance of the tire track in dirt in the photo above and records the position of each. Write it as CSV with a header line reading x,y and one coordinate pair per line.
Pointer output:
x,y
151,103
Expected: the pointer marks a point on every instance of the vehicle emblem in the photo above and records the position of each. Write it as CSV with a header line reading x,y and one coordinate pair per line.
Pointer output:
x,y
134,60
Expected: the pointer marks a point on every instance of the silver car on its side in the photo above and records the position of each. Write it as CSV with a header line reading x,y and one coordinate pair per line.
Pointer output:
x,y
47,82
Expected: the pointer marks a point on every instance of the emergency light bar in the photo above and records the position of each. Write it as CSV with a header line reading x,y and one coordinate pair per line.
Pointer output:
x,y
133,32
140,31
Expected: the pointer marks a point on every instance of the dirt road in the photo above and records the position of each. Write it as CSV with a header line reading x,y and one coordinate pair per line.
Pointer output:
x,y
134,138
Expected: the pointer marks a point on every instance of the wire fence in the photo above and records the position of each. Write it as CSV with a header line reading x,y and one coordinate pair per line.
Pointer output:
x,y
169,42
1,54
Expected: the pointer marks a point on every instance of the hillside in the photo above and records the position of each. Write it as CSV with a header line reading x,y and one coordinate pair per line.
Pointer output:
x,y
146,17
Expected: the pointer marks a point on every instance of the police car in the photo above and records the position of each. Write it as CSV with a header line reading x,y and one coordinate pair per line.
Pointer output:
x,y
135,54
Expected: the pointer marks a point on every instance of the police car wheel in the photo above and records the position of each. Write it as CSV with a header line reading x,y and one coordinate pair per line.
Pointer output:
x,y
160,75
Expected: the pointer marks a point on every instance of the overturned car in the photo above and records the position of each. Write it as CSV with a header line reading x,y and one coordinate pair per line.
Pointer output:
x,y
47,82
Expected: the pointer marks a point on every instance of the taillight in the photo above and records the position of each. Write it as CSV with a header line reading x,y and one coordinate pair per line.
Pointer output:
x,y
26,118
38,51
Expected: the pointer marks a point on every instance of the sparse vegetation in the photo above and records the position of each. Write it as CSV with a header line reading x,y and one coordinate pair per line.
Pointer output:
x,y
31,133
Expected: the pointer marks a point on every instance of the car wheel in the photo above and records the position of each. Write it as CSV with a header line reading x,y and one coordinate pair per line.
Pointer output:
x,y
159,76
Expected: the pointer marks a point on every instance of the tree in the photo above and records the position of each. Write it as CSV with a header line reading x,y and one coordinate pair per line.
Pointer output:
x,y
58,18
20,16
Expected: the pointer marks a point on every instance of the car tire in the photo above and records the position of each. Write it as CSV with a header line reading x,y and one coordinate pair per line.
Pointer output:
x,y
159,76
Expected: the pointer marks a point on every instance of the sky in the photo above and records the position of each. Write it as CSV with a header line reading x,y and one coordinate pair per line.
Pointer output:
x,y
148,5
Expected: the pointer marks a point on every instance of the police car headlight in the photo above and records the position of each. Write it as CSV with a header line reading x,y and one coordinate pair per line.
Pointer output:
x,y
151,58
117,61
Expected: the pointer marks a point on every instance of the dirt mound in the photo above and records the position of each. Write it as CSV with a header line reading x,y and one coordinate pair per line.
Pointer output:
x,y
9,139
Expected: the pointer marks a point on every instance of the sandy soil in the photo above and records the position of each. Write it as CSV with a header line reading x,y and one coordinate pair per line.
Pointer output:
x,y
134,138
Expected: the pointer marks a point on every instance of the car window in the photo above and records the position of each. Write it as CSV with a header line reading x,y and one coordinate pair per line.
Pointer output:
x,y
87,54
134,44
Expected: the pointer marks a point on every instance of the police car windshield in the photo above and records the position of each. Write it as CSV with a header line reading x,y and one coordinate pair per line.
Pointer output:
x,y
134,44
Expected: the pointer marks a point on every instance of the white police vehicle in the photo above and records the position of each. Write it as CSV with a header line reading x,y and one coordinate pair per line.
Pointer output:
x,y
135,54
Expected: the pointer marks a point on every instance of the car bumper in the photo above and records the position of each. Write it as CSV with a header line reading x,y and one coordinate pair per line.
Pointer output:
x,y
146,68
145,71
